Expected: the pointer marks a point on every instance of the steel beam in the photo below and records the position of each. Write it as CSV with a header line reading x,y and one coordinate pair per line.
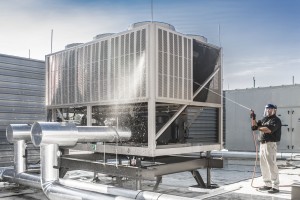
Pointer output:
x,y
148,173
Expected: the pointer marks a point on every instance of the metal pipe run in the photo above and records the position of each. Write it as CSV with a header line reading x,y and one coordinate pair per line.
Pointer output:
x,y
16,132
251,155
58,192
50,176
20,159
108,189
54,190
67,134
108,134
49,136
59,134
31,180
48,181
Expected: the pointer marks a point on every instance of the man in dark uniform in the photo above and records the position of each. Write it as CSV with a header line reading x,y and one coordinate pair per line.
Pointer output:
x,y
270,133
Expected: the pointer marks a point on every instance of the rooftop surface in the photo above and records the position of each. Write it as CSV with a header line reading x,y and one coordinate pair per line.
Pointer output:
x,y
233,181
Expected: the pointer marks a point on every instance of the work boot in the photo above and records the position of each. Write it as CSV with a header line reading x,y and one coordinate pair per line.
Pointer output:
x,y
273,190
265,188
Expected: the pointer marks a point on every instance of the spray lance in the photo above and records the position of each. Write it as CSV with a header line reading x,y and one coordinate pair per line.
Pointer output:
x,y
253,117
254,124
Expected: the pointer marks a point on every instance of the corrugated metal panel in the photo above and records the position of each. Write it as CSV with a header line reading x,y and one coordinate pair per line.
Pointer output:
x,y
105,70
238,131
174,65
22,97
7,154
203,125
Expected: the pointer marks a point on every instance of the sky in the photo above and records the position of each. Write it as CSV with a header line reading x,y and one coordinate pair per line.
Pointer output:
x,y
260,38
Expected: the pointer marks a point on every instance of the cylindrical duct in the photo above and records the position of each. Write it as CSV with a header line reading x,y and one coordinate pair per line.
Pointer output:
x,y
251,155
16,132
49,155
67,134
30,180
101,133
19,156
49,179
105,189
63,134
108,189
58,192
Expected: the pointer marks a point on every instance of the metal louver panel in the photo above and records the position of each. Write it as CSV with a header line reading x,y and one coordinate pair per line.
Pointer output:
x,y
104,70
203,125
22,91
174,66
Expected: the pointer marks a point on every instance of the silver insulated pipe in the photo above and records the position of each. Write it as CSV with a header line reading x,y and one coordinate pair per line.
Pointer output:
x,y
26,179
18,134
251,155
48,181
50,175
67,134
55,188
108,189
49,136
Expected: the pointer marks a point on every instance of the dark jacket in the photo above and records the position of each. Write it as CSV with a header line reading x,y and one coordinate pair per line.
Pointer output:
x,y
274,124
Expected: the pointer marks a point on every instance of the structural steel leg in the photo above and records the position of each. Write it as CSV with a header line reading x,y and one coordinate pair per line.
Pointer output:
x,y
208,170
198,178
119,181
158,181
138,184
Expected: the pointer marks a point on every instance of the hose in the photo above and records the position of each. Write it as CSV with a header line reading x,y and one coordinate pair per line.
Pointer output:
x,y
256,159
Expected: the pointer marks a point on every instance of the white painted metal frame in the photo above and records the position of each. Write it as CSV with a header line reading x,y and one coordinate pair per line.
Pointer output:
x,y
152,150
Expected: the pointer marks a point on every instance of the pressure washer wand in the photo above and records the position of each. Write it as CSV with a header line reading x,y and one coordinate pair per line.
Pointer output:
x,y
253,117
224,97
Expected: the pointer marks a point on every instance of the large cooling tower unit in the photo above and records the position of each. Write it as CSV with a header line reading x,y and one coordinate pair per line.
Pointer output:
x,y
162,85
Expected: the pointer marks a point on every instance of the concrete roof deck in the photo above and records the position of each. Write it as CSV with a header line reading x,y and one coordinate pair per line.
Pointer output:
x,y
234,182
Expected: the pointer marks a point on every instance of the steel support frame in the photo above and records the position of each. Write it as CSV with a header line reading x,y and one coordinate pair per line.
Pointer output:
x,y
179,164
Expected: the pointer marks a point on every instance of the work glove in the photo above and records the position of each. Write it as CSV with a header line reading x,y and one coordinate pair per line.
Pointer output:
x,y
259,123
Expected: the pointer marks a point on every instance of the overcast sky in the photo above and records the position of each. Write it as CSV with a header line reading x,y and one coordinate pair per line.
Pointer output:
x,y
260,38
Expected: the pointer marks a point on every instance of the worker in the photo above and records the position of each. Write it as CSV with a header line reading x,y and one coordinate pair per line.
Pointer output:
x,y
270,133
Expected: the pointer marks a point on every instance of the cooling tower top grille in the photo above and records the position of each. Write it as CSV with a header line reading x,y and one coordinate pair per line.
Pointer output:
x,y
102,35
198,37
72,45
163,24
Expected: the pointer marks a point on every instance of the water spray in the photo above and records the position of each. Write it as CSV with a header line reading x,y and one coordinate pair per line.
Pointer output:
x,y
253,133
243,106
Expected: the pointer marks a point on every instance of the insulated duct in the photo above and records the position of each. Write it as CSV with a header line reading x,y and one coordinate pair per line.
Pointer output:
x,y
67,134
251,155
16,132
108,189
50,176
55,188
50,153
26,179
48,181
